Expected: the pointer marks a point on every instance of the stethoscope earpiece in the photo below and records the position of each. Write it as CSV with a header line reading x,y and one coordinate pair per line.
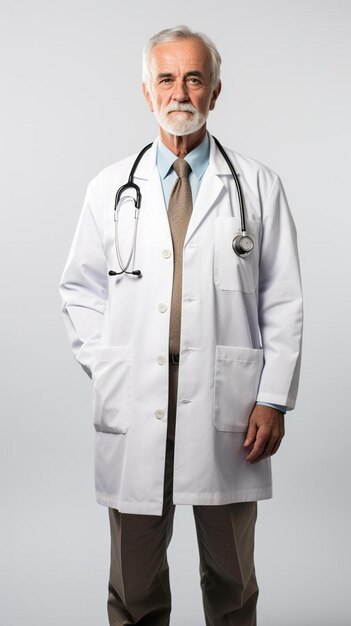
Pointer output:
x,y
133,273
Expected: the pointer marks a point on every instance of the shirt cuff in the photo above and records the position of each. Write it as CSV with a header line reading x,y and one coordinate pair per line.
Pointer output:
x,y
279,407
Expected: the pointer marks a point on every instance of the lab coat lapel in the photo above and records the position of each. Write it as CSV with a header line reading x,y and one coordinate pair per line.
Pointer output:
x,y
209,191
210,188
152,202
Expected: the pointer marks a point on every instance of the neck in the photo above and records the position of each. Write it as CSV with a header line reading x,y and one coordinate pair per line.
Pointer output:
x,y
182,145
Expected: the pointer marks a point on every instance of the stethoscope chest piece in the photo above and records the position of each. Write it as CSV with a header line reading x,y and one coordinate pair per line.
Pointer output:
x,y
242,244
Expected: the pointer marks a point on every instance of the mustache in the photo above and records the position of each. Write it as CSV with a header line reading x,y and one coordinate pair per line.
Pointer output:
x,y
180,106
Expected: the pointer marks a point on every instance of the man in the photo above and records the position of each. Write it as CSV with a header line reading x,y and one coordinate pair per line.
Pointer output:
x,y
195,356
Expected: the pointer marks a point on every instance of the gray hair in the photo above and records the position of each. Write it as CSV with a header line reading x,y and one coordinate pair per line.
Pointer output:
x,y
174,34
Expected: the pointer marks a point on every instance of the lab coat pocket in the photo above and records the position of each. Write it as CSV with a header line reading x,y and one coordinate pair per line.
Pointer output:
x,y
237,377
111,390
232,272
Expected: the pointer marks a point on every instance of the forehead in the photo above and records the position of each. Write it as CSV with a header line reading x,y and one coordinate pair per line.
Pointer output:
x,y
182,55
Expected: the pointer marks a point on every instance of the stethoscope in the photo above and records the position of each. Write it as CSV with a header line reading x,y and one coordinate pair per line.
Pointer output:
x,y
242,244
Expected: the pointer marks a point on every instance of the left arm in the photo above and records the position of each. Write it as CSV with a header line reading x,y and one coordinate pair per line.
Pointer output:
x,y
280,318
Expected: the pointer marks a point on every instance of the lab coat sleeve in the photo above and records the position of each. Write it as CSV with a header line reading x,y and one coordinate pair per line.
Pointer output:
x,y
280,302
83,286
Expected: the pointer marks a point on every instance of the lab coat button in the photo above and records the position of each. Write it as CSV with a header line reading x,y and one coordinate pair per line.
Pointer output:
x,y
166,253
159,413
161,360
162,307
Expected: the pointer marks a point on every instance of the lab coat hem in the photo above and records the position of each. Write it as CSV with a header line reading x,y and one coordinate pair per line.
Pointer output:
x,y
125,506
227,497
182,498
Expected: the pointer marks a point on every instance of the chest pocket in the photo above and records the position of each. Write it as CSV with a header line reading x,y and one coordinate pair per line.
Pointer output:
x,y
231,272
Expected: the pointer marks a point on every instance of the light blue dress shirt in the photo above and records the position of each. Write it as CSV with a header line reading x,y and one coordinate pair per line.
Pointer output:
x,y
198,160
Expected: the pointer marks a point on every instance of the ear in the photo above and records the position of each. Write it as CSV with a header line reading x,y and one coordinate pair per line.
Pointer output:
x,y
217,90
147,96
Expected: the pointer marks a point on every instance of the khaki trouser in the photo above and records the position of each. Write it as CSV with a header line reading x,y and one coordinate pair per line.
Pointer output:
x,y
139,590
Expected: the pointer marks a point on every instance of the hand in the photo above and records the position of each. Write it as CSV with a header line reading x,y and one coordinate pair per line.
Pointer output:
x,y
265,432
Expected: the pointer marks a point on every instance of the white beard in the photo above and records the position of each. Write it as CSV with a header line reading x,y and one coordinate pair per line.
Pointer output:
x,y
181,124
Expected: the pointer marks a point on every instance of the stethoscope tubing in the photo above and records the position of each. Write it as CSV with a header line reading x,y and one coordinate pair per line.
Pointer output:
x,y
242,244
237,183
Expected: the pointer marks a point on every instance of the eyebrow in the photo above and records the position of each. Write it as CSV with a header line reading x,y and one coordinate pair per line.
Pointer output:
x,y
186,75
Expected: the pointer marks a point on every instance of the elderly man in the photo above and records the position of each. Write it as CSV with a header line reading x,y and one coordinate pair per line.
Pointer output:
x,y
188,318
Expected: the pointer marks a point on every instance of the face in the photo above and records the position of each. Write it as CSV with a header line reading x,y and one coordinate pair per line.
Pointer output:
x,y
181,94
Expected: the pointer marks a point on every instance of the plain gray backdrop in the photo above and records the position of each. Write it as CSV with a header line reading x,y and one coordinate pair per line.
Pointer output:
x,y
71,104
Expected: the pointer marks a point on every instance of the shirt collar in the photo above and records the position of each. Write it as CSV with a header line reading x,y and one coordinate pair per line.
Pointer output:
x,y
198,158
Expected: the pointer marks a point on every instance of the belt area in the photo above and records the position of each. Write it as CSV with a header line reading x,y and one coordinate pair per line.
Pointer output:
x,y
174,358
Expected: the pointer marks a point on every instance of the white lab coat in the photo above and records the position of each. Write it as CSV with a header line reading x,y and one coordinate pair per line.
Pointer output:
x,y
241,332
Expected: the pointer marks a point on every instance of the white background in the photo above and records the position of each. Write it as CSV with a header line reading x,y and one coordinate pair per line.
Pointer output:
x,y
71,104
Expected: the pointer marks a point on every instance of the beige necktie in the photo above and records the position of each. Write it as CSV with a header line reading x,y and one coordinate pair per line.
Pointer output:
x,y
180,206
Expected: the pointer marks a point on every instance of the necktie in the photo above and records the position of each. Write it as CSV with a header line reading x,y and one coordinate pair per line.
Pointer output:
x,y
180,206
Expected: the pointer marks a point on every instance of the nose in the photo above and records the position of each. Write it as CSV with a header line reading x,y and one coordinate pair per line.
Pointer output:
x,y
180,93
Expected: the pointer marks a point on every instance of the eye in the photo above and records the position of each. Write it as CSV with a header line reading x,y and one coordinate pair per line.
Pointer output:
x,y
193,80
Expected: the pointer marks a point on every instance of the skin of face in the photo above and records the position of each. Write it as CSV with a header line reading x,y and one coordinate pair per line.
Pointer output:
x,y
181,73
